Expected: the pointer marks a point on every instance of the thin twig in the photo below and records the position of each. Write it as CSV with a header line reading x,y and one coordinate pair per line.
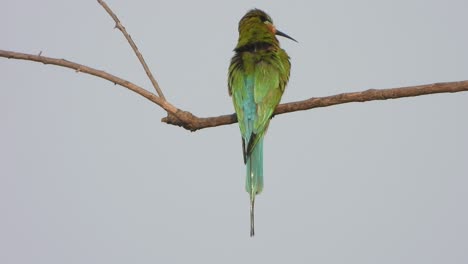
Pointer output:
x,y
122,29
191,122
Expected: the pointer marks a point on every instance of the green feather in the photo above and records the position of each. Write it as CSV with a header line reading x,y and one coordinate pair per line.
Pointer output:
x,y
258,74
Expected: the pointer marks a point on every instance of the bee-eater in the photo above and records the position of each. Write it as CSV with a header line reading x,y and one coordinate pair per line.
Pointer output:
x,y
258,74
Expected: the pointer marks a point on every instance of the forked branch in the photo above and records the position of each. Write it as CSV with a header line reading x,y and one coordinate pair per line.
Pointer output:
x,y
191,122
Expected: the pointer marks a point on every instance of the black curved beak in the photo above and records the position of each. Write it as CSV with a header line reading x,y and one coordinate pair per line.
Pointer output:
x,y
279,33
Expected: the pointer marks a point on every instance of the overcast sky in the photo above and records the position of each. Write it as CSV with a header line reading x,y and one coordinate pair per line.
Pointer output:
x,y
89,174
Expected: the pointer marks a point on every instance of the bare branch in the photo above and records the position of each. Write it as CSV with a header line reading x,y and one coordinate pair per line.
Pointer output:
x,y
170,109
191,122
316,102
122,29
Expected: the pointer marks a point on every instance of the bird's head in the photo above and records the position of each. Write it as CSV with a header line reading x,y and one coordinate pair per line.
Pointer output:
x,y
257,27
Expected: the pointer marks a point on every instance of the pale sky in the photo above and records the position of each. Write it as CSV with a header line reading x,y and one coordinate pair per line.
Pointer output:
x,y
89,174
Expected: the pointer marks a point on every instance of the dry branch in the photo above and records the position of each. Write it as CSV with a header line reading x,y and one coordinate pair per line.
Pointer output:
x,y
122,29
170,109
191,122
316,102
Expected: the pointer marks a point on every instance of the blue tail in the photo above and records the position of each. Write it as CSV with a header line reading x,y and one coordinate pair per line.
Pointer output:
x,y
254,178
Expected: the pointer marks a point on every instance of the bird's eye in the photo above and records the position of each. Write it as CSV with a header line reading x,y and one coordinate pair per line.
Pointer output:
x,y
264,19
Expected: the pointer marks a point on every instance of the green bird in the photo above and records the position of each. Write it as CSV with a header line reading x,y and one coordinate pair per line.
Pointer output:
x,y
258,74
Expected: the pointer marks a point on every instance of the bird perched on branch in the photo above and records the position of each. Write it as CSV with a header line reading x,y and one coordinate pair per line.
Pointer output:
x,y
258,74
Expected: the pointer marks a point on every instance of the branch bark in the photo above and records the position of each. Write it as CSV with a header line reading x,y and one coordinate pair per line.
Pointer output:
x,y
317,102
191,122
